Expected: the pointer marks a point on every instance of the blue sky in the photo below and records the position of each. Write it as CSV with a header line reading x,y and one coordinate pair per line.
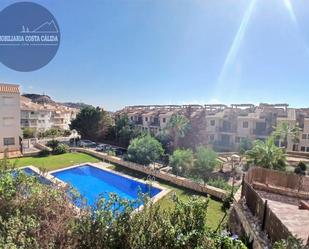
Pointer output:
x,y
124,52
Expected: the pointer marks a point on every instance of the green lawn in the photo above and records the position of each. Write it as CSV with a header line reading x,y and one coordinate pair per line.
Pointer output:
x,y
55,161
215,213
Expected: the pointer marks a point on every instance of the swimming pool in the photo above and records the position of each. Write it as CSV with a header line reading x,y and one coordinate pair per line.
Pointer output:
x,y
30,172
91,182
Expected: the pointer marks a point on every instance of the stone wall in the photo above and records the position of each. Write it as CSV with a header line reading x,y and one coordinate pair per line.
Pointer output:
x,y
179,181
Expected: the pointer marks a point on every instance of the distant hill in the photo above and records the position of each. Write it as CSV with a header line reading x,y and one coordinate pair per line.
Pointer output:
x,y
75,105
40,99
45,99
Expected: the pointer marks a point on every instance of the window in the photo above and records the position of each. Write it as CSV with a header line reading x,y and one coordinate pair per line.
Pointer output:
x,y
304,136
8,141
132,118
295,147
146,119
307,149
237,139
164,120
245,124
211,137
302,148
212,122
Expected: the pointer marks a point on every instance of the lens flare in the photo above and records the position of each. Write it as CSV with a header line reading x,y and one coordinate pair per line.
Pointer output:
x,y
231,56
290,9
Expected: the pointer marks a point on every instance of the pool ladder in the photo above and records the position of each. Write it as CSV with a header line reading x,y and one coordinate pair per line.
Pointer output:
x,y
151,178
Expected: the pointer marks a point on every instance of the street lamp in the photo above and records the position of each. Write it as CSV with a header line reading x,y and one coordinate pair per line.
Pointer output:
x,y
74,135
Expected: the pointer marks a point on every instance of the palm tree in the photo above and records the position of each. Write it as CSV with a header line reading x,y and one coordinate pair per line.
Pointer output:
x,y
177,127
267,155
284,131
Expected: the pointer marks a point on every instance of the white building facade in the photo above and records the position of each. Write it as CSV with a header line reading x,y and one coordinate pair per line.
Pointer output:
x,y
10,131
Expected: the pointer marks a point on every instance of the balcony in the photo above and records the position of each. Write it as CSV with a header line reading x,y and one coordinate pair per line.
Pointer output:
x,y
262,132
29,116
157,124
223,146
138,122
227,129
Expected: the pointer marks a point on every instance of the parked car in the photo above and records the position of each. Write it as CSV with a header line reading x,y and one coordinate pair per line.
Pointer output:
x,y
87,143
120,151
101,147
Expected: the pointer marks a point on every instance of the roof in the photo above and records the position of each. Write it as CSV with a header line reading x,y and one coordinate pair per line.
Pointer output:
x,y
9,88
27,105
291,115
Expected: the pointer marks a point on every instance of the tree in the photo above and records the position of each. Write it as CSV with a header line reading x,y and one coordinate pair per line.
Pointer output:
x,y
182,161
177,127
164,138
284,131
92,123
123,131
144,150
267,155
245,145
206,161
28,132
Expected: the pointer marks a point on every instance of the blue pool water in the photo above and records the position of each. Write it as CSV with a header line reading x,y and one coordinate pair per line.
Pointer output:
x,y
91,182
30,172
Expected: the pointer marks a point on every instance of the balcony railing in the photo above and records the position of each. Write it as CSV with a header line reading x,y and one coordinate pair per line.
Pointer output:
x,y
265,132
138,122
155,124
227,129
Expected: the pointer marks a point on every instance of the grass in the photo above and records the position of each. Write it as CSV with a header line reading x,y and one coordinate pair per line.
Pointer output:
x,y
53,162
215,214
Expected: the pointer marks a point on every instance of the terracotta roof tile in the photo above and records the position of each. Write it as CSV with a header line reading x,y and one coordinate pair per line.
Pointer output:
x,y
8,88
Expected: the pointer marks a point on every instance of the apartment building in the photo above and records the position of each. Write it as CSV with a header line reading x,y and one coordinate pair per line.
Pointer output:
x,y
42,117
151,119
223,127
9,118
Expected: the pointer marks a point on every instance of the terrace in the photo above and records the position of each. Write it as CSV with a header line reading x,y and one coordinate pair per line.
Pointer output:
x,y
275,200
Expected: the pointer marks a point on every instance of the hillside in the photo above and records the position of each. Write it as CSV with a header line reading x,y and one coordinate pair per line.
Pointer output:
x,y
45,99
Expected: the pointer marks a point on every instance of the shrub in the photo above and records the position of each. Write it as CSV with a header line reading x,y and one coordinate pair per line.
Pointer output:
x,y
33,215
111,153
61,149
302,166
144,150
40,216
52,144
65,133
29,132
44,153
182,161
206,161
219,183
289,243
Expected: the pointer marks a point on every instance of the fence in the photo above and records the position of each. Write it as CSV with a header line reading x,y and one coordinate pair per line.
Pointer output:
x,y
179,181
278,179
269,221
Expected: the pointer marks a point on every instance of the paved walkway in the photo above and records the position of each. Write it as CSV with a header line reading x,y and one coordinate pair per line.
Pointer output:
x,y
286,208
